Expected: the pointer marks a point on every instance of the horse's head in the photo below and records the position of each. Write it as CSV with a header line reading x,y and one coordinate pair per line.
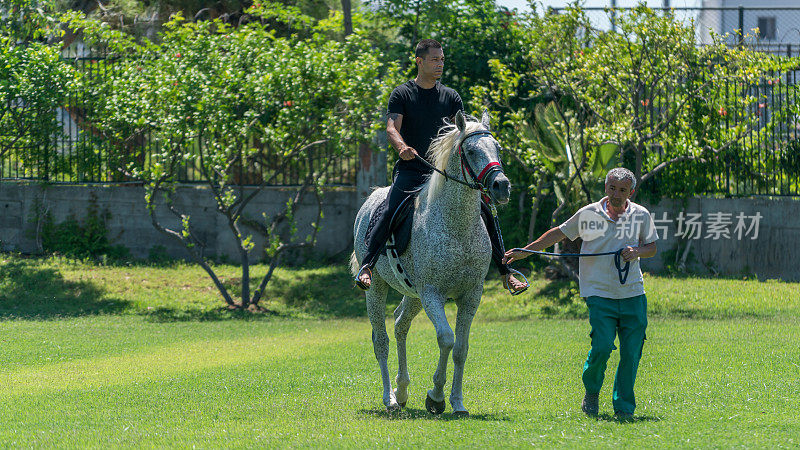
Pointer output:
x,y
480,158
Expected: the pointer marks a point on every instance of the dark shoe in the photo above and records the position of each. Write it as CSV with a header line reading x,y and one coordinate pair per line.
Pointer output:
x,y
623,416
591,404
511,290
361,285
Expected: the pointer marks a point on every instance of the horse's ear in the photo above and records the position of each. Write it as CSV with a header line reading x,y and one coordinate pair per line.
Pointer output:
x,y
485,119
461,122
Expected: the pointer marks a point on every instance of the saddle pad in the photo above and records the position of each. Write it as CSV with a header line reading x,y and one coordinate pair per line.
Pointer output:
x,y
373,219
400,227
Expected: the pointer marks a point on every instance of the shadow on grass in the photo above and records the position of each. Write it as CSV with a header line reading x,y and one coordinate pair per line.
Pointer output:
x,y
560,299
707,313
164,315
31,292
612,418
744,276
326,293
421,414
320,291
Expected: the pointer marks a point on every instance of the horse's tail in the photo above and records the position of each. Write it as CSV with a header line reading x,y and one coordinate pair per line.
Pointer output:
x,y
354,265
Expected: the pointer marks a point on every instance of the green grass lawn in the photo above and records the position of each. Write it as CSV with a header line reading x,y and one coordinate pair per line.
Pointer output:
x,y
143,356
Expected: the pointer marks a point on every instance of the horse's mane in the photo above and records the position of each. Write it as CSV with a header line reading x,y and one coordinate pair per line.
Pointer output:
x,y
440,151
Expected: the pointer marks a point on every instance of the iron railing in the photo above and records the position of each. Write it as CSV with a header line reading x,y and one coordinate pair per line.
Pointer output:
x,y
82,154
765,162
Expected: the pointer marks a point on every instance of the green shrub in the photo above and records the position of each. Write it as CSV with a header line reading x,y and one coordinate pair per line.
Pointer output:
x,y
86,239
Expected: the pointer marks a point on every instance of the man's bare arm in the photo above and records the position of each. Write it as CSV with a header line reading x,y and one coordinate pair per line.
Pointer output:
x,y
548,239
393,125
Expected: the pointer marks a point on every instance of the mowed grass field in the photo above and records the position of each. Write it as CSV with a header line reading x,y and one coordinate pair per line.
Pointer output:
x,y
97,356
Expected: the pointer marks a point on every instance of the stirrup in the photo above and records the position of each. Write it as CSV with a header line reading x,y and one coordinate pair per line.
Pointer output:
x,y
507,285
360,284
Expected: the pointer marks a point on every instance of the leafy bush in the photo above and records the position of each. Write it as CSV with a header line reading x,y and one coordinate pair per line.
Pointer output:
x,y
87,239
34,81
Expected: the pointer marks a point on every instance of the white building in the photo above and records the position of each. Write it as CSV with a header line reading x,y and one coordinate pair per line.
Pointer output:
x,y
777,22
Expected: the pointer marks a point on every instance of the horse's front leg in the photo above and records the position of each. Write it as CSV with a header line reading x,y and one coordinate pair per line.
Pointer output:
x,y
376,310
403,315
433,302
467,307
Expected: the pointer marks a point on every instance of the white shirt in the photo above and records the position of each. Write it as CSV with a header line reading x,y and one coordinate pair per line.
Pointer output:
x,y
598,274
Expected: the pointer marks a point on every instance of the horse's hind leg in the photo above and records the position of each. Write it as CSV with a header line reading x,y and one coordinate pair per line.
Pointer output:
x,y
376,310
403,315
433,302
467,307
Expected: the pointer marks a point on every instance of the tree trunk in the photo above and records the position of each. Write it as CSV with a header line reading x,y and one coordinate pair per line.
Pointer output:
x,y
638,168
416,23
245,278
348,17
535,208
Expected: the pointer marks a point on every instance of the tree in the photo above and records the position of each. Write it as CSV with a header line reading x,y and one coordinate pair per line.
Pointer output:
x,y
471,31
225,101
34,82
647,88
644,96
347,11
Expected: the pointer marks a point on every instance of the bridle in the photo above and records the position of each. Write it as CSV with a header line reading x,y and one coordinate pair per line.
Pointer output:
x,y
483,177
477,182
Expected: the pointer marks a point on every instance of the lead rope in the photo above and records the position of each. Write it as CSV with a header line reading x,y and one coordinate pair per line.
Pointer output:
x,y
493,209
622,271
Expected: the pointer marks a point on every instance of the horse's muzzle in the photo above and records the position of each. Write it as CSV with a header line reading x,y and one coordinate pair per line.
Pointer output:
x,y
500,188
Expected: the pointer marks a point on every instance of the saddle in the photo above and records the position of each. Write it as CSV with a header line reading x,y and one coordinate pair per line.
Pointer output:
x,y
399,226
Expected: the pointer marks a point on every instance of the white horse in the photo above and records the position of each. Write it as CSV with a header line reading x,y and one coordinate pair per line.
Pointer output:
x,y
447,257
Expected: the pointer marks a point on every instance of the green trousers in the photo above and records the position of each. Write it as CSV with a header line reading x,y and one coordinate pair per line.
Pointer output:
x,y
628,317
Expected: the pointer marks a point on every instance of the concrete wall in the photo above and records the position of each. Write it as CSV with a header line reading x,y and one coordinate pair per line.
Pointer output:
x,y
727,241
129,223
732,237
23,204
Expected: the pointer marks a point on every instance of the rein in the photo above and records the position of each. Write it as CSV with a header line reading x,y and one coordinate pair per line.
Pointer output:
x,y
475,186
622,271
476,180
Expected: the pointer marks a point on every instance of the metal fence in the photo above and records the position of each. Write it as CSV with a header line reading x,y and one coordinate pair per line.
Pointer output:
x,y
766,162
82,154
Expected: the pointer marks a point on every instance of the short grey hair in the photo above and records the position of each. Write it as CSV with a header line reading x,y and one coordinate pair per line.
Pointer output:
x,y
622,174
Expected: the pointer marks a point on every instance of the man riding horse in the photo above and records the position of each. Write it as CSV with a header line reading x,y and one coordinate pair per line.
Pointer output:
x,y
417,110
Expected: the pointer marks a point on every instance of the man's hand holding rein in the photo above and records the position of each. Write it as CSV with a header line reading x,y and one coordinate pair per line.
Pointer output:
x,y
408,153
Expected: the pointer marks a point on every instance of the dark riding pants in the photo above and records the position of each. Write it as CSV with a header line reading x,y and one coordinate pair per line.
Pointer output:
x,y
405,184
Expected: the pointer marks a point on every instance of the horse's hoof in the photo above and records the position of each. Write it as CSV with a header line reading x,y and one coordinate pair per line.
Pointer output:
x,y
403,403
434,407
394,409
461,414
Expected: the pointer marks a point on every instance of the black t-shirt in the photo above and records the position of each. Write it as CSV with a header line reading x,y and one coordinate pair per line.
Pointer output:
x,y
424,111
